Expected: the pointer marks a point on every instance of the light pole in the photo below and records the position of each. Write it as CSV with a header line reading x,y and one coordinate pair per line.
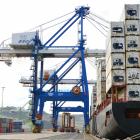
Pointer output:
x,y
2,98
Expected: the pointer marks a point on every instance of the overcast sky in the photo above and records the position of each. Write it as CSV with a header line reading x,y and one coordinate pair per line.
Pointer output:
x,y
21,15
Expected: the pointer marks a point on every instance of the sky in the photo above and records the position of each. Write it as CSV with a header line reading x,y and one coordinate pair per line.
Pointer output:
x,y
22,15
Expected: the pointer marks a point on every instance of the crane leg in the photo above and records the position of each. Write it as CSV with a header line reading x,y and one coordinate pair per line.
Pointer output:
x,y
86,116
55,117
38,125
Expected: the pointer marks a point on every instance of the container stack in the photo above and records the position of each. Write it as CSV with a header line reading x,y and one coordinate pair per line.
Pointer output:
x,y
17,126
101,81
93,99
132,37
5,125
115,57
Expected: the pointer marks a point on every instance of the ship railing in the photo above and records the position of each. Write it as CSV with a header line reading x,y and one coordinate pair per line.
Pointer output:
x,y
106,102
118,100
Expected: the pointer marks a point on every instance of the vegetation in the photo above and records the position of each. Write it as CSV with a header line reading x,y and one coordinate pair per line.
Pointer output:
x,y
16,113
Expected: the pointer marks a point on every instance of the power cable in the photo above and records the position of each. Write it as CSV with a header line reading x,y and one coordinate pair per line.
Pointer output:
x,y
97,28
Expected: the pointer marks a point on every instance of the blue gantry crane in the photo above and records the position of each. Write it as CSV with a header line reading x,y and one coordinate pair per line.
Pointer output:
x,y
79,92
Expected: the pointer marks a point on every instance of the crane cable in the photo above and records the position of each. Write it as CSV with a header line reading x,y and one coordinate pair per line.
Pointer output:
x,y
90,62
96,27
38,26
102,25
108,22
50,21
54,25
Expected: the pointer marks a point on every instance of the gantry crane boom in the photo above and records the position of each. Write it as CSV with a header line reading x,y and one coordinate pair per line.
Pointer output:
x,y
51,53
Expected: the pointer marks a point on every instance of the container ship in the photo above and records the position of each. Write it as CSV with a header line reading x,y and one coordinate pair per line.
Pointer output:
x,y
116,96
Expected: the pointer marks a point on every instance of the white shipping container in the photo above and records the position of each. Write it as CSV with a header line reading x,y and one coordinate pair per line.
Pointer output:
x,y
101,64
132,43
115,78
132,11
121,93
101,92
132,59
117,29
133,75
133,92
103,86
116,45
103,95
99,99
115,61
101,76
25,38
132,27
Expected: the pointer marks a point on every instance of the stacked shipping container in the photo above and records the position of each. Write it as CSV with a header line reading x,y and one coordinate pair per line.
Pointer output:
x,y
123,55
6,125
101,81
132,37
17,126
115,57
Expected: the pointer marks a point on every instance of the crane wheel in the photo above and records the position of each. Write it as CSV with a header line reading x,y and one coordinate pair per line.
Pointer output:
x,y
36,129
54,129
87,129
76,90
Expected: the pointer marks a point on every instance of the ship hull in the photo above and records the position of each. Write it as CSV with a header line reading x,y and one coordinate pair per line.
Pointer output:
x,y
118,120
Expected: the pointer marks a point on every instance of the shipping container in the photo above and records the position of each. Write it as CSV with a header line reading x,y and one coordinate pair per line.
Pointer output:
x,y
121,92
4,130
23,40
101,76
132,59
4,120
115,78
133,92
100,89
132,27
17,130
116,45
103,95
101,86
132,11
133,75
115,61
101,64
117,29
132,43
4,124
99,99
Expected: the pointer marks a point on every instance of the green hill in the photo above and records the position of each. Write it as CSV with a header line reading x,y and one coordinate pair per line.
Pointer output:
x,y
20,114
